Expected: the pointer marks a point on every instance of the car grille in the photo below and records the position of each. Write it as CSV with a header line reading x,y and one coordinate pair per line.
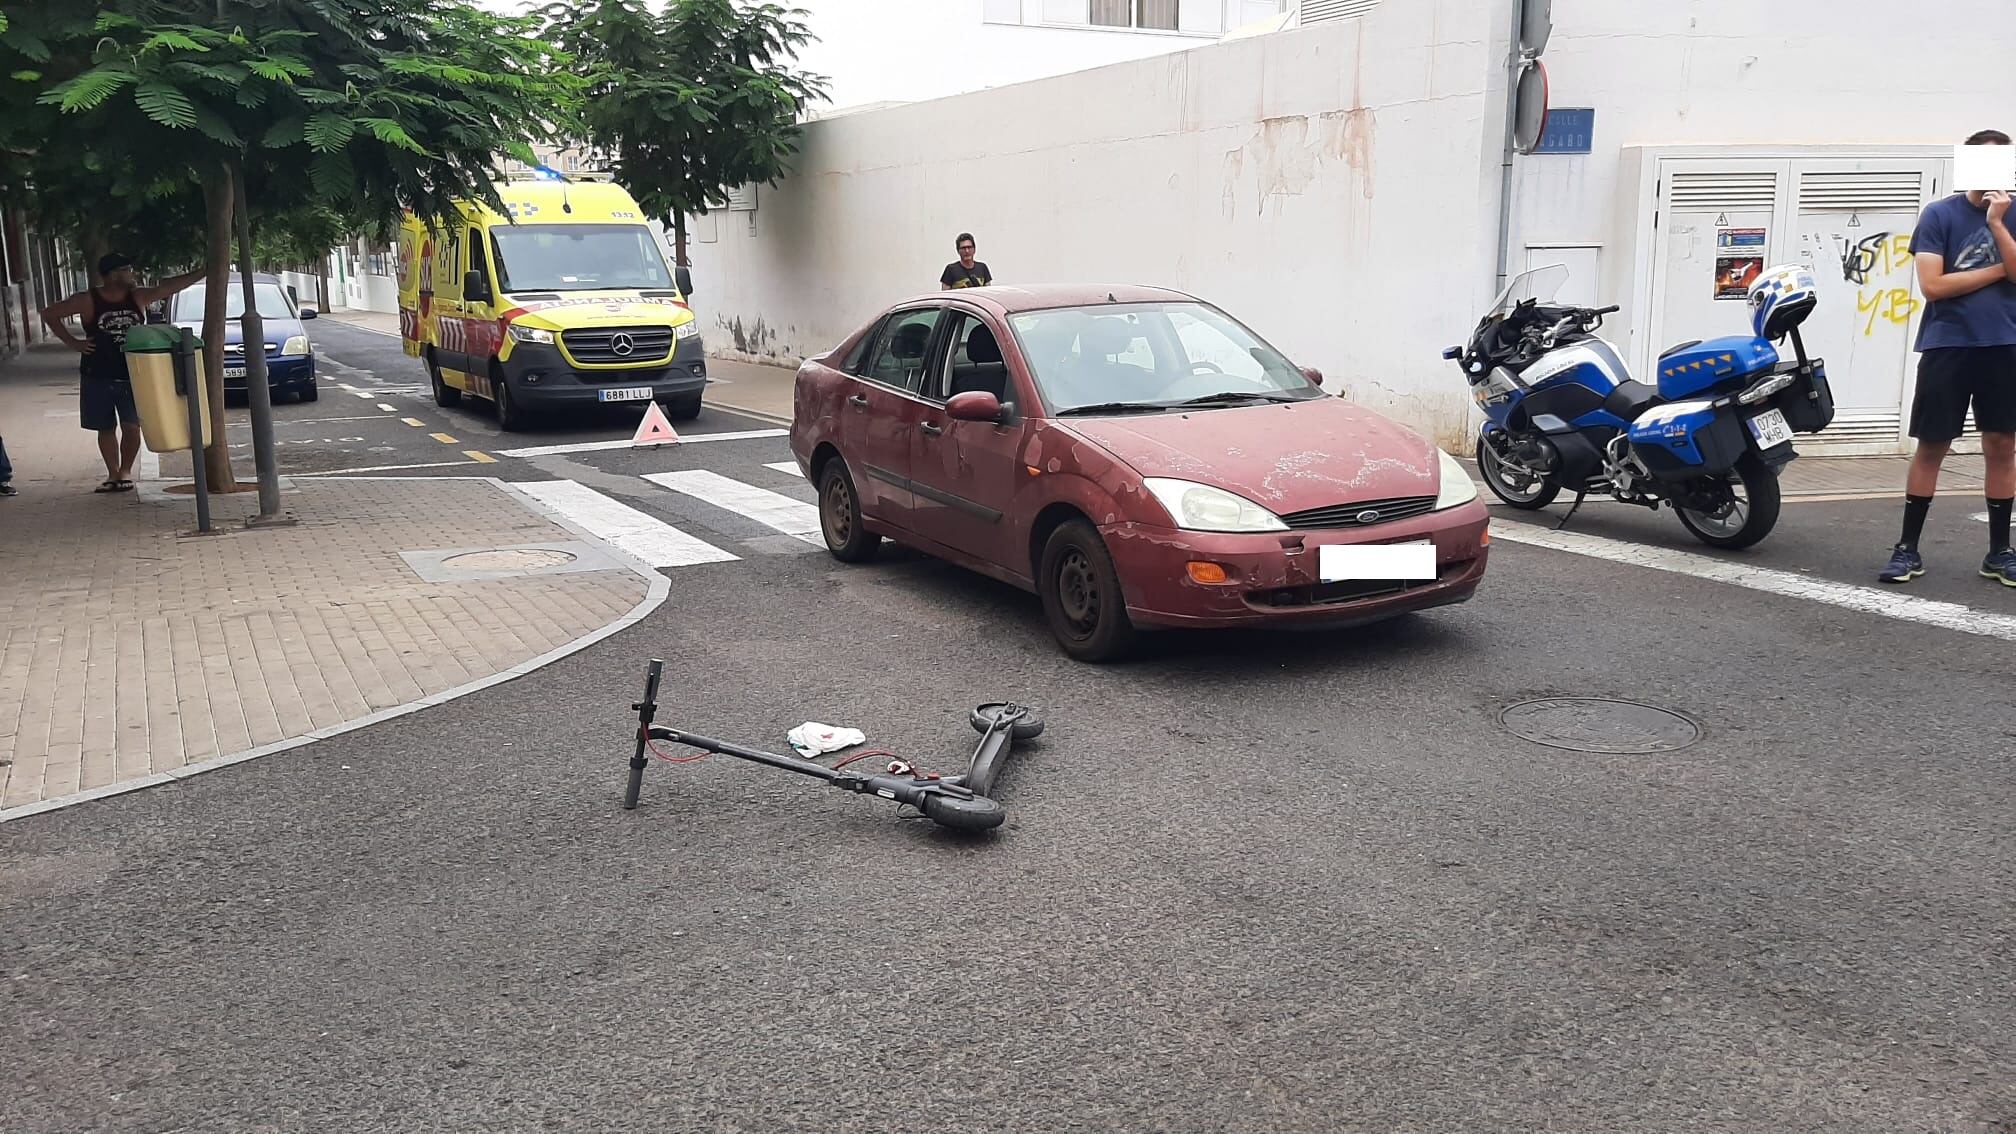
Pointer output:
x,y
604,344
1361,514
1348,591
234,350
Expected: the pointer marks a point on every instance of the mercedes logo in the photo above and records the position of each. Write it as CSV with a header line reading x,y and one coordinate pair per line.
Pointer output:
x,y
1368,517
621,343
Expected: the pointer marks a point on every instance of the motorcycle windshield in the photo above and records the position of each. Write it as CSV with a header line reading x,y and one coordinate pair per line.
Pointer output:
x,y
1540,285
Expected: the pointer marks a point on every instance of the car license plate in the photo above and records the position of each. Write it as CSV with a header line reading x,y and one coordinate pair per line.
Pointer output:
x,y
1401,562
630,394
1770,429
234,372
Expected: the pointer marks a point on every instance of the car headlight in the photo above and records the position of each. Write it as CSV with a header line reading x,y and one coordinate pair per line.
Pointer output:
x,y
1457,487
526,334
295,346
686,330
1202,508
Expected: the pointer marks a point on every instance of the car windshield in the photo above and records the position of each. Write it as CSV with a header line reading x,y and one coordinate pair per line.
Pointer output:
x,y
272,302
578,257
1145,357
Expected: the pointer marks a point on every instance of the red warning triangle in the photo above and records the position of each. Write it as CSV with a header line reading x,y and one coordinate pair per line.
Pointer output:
x,y
656,428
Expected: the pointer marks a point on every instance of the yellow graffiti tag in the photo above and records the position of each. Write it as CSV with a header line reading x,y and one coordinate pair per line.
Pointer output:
x,y
1894,305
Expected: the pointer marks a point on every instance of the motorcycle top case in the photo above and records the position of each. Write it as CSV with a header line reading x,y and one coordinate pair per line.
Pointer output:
x,y
1693,369
1681,440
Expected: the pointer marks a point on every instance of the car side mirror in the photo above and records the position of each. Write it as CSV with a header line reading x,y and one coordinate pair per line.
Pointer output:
x,y
974,405
1313,374
475,288
309,313
683,276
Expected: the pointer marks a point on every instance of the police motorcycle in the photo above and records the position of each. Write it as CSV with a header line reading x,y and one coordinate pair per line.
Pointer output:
x,y
1562,412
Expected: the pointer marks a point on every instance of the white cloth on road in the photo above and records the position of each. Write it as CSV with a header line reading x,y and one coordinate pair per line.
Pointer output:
x,y
812,738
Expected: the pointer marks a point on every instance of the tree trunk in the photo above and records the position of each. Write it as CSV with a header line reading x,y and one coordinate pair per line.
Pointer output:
x,y
217,265
258,393
679,241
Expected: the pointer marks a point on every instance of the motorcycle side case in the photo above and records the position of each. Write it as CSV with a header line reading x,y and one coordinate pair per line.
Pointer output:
x,y
1682,440
1808,404
1692,370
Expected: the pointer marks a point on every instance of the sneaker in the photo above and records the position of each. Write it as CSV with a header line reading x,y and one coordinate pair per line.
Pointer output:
x,y
2000,566
1905,565
8,489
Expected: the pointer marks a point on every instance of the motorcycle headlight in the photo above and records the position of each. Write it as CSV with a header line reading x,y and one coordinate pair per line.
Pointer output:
x,y
295,346
526,334
686,330
1457,487
1202,508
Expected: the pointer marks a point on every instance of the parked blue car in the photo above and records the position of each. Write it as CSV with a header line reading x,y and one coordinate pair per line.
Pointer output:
x,y
290,357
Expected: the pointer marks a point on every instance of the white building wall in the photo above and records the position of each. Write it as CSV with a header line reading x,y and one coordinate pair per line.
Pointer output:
x,y
1335,187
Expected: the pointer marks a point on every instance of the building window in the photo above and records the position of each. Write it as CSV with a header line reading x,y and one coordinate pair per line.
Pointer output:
x,y
1157,15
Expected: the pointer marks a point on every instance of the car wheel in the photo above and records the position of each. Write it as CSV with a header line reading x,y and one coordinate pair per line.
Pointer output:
x,y
847,537
445,396
510,418
309,393
1082,597
683,409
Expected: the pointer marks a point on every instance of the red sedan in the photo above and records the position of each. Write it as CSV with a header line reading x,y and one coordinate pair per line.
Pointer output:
x,y
1134,456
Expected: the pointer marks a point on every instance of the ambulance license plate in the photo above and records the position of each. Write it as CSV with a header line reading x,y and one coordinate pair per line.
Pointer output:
x,y
629,394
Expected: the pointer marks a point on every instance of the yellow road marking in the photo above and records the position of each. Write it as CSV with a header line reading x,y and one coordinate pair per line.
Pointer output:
x,y
443,438
479,458
413,421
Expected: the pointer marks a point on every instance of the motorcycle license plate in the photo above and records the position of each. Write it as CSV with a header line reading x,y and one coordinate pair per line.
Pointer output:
x,y
630,394
234,372
1399,562
1770,429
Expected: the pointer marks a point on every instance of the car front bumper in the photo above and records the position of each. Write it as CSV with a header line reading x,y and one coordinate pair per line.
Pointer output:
x,y
1273,578
541,376
281,373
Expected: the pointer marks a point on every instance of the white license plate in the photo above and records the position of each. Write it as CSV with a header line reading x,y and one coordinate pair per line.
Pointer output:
x,y
1770,429
234,372
633,394
1402,562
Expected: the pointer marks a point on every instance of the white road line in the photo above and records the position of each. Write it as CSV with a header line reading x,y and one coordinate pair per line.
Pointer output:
x,y
367,395
388,408
794,518
1867,600
383,468
642,536
598,446
788,468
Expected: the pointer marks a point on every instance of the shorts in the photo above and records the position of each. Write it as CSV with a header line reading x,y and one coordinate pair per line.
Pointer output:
x,y
1952,378
102,403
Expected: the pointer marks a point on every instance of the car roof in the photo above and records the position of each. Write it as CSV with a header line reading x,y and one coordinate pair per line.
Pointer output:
x,y
1008,299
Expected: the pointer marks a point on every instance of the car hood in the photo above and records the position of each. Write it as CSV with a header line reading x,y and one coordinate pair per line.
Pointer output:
x,y
569,311
1286,458
276,330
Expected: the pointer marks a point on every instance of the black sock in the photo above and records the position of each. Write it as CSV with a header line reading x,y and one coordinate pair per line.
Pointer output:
x,y
1998,525
1915,508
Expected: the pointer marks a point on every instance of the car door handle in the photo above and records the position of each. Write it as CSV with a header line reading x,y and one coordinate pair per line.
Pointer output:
x,y
931,430
858,400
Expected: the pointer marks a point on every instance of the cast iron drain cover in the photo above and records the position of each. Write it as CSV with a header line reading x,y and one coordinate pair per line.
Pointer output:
x,y
523,559
1592,724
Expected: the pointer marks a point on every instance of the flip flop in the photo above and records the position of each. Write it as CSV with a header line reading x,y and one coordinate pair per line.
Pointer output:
x,y
115,486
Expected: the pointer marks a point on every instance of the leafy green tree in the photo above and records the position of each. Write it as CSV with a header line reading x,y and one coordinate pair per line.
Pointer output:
x,y
691,102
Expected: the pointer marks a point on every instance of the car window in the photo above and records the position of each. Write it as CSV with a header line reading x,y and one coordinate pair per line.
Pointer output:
x,y
899,356
972,361
1208,347
1151,354
857,358
476,255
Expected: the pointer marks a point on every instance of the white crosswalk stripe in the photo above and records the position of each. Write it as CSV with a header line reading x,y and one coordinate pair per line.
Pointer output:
x,y
790,468
640,535
774,510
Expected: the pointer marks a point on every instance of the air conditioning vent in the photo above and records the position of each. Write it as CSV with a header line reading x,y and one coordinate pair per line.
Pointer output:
x,y
1863,192
1323,11
1725,192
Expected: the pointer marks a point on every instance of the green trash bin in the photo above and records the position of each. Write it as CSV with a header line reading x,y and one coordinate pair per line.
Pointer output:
x,y
164,414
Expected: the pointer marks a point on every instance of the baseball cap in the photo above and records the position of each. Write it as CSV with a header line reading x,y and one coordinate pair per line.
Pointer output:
x,y
113,262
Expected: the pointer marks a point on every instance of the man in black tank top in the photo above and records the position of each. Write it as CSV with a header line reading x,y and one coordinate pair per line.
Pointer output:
x,y
105,399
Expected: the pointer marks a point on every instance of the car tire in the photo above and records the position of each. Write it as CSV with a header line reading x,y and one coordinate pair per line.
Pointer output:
x,y
683,409
510,418
309,393
445,396
1082,599
847,537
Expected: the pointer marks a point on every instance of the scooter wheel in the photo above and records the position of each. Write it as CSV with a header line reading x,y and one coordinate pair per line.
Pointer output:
x,y
1028,728
976,814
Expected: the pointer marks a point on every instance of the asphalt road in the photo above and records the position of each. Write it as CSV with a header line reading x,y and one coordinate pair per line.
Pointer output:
x,y
1252,882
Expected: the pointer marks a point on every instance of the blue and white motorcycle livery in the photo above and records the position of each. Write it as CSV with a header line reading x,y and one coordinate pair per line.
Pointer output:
x,y
1562,411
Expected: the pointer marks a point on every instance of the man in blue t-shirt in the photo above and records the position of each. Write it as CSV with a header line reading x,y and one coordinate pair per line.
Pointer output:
x,y
1966,260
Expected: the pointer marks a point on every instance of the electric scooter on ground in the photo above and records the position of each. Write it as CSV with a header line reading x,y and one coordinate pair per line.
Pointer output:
x,y
961,803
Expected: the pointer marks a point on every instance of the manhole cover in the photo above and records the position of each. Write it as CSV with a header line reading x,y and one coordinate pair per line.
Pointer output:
x,y
1592,724
520,559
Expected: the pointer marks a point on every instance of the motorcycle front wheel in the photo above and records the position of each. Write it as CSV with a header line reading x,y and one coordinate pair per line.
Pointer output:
x,y
1747,511
1527,491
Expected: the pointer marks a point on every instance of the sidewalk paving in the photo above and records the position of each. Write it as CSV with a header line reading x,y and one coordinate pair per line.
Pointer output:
x,y
133,653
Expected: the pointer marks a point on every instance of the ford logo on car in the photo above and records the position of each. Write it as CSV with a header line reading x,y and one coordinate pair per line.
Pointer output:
x,y
1368,517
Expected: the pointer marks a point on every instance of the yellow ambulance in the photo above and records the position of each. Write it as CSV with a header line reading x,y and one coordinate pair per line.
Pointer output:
x,y
566,302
